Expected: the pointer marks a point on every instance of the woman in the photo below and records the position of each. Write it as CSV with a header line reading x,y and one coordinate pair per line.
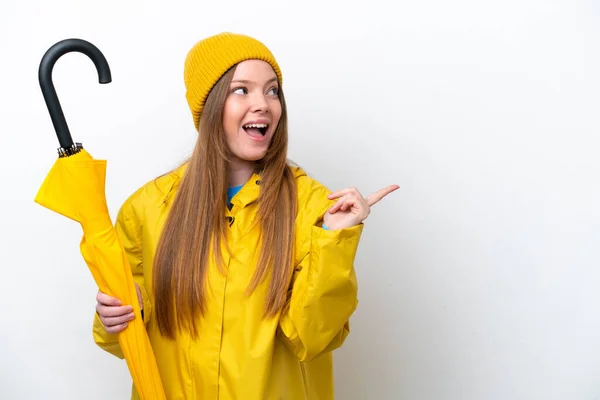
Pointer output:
x,y
243,263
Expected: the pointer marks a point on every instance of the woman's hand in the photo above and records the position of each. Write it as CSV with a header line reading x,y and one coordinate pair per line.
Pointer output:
x,y
352,208
113,314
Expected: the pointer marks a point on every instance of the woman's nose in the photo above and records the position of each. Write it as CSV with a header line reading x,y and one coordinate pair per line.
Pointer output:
x,y
259,103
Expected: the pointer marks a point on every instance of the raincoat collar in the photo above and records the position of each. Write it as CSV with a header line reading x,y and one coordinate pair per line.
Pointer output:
x,y
247,195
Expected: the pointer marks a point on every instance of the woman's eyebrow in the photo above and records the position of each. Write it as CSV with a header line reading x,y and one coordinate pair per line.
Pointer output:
x,y
248,82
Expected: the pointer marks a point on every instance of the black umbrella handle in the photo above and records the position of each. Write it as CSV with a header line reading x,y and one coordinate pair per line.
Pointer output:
x,y
45,77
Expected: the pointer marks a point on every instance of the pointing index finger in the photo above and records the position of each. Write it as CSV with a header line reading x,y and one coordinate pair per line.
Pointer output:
x,y
380,194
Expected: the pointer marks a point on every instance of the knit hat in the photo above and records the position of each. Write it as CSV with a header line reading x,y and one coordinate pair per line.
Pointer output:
x,y
212,57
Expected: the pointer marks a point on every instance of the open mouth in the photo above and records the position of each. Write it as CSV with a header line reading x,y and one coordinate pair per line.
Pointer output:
x,y
256,129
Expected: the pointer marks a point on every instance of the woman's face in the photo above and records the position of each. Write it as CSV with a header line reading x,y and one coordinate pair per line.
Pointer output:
x,y
252,110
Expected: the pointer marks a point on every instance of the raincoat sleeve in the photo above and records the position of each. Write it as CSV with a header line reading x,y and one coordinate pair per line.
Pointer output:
x,y
323,294
128,228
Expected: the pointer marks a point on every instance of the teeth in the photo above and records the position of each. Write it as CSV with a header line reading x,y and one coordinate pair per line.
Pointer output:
x,y
255,126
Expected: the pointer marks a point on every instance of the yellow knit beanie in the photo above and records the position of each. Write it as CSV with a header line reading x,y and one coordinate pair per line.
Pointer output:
x,y
210,58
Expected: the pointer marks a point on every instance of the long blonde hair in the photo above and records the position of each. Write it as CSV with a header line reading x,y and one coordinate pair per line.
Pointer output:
x,y
196,225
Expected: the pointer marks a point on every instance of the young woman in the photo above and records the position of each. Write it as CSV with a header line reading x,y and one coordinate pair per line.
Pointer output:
x,y
244,264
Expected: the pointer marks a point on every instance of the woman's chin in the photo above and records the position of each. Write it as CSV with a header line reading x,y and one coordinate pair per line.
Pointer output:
x,y
253,156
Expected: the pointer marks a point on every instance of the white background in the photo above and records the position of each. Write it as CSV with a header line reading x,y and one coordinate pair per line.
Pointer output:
x,y
479,278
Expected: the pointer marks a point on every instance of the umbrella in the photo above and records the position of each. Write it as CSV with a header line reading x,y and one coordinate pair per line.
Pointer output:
x,y
75,188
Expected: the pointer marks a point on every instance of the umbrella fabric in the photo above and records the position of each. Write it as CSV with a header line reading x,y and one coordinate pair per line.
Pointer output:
x,y
75,188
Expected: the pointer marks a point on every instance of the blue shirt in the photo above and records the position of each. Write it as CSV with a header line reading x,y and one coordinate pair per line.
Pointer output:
x,y
232,191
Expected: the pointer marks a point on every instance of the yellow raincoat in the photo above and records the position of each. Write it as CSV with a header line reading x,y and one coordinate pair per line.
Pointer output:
x,y
240,355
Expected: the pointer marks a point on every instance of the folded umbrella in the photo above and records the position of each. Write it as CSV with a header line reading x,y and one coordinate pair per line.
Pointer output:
x,y
75,188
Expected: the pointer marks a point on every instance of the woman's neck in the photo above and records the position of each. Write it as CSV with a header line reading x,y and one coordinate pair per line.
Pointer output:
x,y
239,172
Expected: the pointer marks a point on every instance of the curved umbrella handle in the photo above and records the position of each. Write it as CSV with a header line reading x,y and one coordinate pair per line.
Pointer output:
x,y
45,77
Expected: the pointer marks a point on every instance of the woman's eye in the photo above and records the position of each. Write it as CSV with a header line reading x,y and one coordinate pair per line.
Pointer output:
x,y
240,90
273,91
